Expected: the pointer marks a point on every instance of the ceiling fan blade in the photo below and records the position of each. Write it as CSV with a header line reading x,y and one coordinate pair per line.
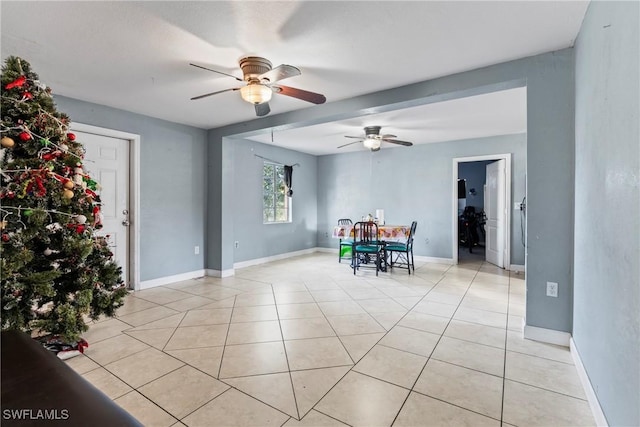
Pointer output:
x,y
357,137
219,72
355,142
304,95
214,93
262,109
396,141
387,136
281,72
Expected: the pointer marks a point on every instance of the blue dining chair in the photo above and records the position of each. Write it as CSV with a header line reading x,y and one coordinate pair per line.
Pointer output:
x,y
345,243
367,249
403,251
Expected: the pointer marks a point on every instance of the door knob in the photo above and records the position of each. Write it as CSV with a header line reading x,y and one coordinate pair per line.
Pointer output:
x,y
126,223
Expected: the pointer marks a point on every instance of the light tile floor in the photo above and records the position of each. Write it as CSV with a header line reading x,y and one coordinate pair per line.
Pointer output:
x,y
304,342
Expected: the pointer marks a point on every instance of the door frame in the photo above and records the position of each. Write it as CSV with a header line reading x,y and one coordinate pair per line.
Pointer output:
x,y
507,203
133,250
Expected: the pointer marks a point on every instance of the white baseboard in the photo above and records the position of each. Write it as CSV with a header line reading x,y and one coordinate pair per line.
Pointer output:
x,y
517,268
265,260
327,250
146,284
448,261
546,335
221,273
596,409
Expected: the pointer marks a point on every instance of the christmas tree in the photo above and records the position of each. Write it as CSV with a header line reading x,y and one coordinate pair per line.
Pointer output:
x,y
56,272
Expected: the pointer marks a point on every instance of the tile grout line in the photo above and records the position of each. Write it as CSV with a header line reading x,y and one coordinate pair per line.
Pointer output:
x,y
352,367
224,346
442,278
504,367
286,355
436,344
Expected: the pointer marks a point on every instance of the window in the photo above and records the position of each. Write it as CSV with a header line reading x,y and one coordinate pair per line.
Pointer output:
x,y
276,205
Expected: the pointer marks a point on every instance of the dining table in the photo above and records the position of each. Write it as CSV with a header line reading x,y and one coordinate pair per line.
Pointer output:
x,y
386,234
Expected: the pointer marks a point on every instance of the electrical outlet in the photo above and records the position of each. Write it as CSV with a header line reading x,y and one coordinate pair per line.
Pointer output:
x,y
552,289
236,244
196,250
326,234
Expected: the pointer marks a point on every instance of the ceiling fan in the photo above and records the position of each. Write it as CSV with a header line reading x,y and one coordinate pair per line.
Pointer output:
x,y
372,139
260,78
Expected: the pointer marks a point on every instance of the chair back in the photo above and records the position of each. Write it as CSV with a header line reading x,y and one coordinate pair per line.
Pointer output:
x,y
366,233
344,221
412,232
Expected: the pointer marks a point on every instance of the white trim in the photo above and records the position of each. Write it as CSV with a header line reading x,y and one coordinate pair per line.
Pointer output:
x,y
507,201
265,260
436,260
134,193
550,336
518,268
596,409
160,281
223,273
327,250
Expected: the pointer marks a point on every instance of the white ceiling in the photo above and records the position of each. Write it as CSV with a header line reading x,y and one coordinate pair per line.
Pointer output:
x,y
135,56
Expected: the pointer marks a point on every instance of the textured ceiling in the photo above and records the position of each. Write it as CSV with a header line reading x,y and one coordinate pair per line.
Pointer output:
x,y
135,55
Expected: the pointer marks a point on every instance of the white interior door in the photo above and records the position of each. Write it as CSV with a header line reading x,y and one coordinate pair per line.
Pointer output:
x,y
495,210
107,161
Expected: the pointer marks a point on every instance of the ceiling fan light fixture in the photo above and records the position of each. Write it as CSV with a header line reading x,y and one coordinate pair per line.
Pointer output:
x,y
371,143
256,93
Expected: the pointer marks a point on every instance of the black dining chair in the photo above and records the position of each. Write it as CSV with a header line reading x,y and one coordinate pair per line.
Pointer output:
x,y
345,245
403,251
367,249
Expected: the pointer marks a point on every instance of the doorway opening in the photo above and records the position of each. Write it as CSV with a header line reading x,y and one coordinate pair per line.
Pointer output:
x,y
477,236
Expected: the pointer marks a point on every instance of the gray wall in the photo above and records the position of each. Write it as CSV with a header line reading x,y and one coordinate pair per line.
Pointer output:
x,y
410,184
259,240
549,79
475,174
172,185
606,325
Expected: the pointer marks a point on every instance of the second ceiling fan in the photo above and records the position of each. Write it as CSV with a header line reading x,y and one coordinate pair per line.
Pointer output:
x,y
260,78
373,140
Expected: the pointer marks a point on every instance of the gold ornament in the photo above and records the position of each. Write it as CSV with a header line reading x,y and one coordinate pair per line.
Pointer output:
x,y
7,142
68,184
67,194
3,225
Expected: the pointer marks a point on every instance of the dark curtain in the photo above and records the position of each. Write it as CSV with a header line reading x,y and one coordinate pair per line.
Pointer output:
x,y
462,189
288,176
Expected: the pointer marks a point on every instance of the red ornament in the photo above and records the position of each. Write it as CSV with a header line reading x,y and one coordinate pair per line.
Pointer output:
x,y
5,237
79,228
27,95
24,136
71,136
19,82
52,155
